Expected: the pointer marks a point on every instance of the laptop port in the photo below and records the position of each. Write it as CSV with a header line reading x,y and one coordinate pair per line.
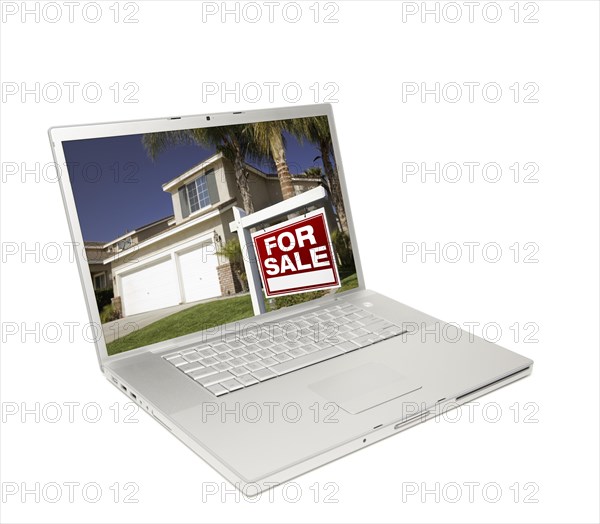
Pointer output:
x,y
123,387
133,395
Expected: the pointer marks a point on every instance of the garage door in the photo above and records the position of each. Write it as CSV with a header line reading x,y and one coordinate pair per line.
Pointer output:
x,y
199,273
149,288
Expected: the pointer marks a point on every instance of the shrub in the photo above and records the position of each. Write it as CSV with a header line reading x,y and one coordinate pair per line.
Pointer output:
x,y
343,248
108,314
232,251
103,297
290,300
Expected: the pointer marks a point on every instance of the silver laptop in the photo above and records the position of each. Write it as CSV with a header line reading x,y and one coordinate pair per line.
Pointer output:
x,y
222,278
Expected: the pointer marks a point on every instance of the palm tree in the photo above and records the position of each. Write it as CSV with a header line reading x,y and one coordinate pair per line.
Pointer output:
x,y
315,129
268,139
313,172
234,142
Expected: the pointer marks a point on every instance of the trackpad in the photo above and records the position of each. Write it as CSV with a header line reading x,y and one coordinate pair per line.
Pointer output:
x,y
364,387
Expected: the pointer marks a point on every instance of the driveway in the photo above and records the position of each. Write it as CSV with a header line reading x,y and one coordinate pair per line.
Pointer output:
x,y
123,326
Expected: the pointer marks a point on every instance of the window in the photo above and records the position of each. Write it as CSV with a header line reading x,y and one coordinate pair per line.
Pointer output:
x,y
100,281
198,196
124,244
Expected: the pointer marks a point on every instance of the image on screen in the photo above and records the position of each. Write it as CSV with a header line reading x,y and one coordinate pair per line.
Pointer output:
x,y
187,230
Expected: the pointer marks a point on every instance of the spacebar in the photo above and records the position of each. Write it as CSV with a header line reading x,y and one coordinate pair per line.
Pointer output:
x,y
305,360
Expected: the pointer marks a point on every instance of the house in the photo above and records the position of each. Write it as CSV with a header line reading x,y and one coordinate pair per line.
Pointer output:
x,y
174,260
95,253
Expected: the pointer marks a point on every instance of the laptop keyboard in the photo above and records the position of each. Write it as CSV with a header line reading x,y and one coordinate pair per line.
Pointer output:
x,y
274,349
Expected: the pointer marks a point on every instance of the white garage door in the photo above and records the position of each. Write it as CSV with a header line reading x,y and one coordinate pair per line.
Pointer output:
x,y
150,288
199,273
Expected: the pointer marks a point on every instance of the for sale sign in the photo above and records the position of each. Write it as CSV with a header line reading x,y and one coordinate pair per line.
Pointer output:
x,y
296,256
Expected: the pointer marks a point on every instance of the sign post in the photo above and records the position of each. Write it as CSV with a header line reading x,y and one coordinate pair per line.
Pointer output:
x,y
252,274
243,223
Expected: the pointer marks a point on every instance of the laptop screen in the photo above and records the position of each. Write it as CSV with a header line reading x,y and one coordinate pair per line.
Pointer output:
x,y
188,230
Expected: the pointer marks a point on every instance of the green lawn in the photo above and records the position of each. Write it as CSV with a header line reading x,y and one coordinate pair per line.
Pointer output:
x,y
197,318
349,282
206,316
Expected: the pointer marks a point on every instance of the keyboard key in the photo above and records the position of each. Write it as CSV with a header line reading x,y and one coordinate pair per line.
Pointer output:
x,y
253,348
192,357
370,319
239,371
231,385
235,362
217,390
171,356
283,357
215,378
310,348
223,357
221,348
265,353
349,308
251,358
322,344
235,344
238,352
297,352
263,374
268,362
254,366
207,352
390,332
191,366
201,373
247,380
210,361
365,340
178,361
347,345
222,366
279,348
306,360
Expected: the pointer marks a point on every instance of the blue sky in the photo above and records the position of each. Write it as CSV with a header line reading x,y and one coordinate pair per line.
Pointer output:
x,y
117,187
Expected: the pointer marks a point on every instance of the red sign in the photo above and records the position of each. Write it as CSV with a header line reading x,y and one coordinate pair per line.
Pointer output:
x,y
296,256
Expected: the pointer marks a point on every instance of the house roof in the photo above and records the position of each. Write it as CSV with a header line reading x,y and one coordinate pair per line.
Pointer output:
x,y
137,230
212,212
167,186
171,184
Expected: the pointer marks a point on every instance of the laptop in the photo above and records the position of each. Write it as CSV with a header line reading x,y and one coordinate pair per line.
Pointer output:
x,y
223,283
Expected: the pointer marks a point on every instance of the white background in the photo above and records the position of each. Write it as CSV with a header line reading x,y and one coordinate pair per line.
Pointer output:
x,y
368,55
